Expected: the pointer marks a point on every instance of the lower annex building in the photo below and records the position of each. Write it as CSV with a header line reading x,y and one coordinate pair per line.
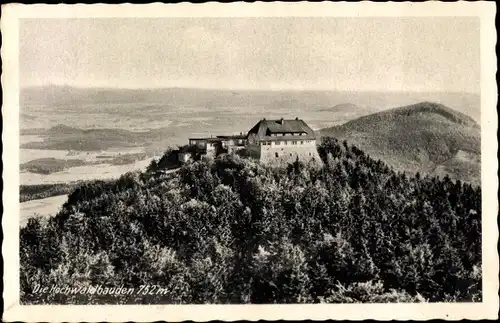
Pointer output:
x,y
269,141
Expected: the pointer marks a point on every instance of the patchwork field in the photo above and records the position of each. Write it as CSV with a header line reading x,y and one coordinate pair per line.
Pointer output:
x,y
82,173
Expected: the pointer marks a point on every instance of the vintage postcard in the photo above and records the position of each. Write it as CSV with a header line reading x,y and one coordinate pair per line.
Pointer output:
x,y
250,161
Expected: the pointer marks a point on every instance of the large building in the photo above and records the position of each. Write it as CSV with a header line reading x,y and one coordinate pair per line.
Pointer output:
x,y
270,141
282,141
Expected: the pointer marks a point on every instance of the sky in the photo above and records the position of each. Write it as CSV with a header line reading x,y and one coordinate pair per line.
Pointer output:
x,y
362,54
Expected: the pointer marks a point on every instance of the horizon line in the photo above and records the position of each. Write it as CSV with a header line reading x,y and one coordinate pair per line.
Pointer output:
x,y
290,89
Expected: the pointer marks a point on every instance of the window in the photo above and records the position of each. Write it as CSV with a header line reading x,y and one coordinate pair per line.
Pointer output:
x,y
277,143
286,142
310,154
290,154
302,142
276,154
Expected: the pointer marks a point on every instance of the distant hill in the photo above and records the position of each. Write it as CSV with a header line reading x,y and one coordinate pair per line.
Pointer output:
x,y
342,107
426,137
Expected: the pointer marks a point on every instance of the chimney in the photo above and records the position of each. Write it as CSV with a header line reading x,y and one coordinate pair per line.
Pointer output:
x,y
282,121
296,118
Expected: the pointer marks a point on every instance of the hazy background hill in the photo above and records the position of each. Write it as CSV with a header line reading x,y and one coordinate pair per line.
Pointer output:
x,y
203,101
228,100
426,137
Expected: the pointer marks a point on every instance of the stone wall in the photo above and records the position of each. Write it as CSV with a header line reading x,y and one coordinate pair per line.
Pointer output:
x,y
283,154
289,154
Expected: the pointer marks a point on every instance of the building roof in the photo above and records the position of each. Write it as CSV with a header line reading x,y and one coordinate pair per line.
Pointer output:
x,y
265,128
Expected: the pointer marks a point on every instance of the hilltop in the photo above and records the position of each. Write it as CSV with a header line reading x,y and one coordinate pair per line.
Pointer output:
x,y
426,137
231,230
344,107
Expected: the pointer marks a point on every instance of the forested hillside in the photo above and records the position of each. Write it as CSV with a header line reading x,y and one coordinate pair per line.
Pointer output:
x,y
232,230
426,137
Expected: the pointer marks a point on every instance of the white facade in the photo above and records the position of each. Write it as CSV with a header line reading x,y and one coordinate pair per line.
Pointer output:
x,y
285,151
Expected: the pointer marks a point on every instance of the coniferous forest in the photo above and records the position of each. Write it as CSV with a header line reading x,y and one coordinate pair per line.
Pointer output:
x,y
231,230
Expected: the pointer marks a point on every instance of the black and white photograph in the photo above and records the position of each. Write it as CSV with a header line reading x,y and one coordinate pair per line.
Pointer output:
x,y
244,159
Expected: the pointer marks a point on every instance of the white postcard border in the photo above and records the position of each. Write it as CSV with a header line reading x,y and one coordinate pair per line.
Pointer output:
x,y
488,309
